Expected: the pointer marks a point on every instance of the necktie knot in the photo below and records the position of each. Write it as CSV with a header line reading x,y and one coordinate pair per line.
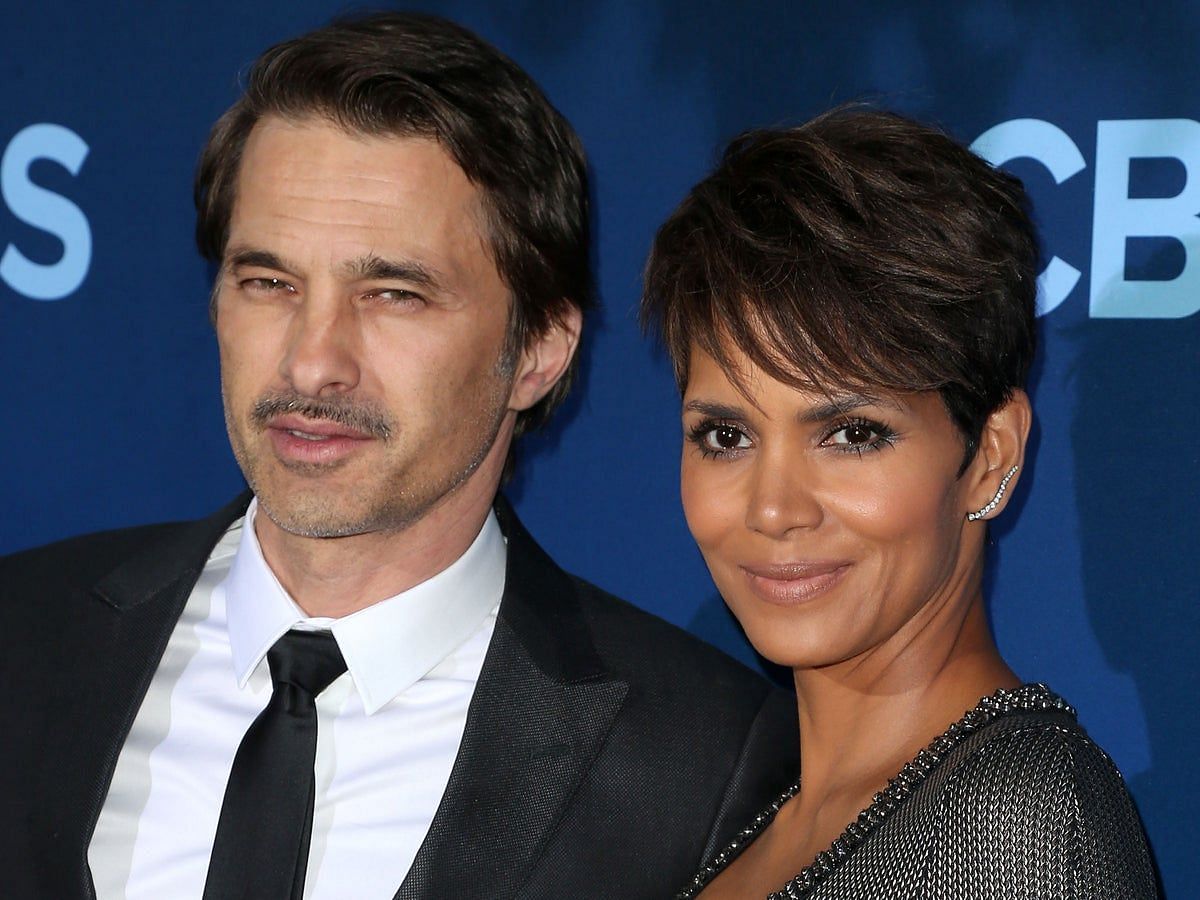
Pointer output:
x,y
309,660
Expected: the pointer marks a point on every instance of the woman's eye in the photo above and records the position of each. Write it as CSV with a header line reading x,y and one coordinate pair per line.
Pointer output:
x,y
855,433
726,437
717,439
859,437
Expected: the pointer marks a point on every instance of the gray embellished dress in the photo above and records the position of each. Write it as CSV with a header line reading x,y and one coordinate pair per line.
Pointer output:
x,y
1012,802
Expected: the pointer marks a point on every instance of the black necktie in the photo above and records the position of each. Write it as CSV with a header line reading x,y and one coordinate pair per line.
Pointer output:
x,y
261,847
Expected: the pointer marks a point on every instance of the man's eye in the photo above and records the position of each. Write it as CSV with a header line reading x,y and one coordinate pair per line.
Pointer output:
x,y
265,285
397,296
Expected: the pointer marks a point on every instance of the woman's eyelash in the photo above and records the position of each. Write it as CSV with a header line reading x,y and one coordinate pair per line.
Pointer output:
x,y
699,434
861,436
873,435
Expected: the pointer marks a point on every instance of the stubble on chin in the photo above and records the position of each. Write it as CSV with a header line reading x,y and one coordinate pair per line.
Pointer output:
x,y
310,514
301,500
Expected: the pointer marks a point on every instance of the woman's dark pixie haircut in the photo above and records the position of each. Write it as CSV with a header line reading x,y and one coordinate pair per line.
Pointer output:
x,y
413,75
859,251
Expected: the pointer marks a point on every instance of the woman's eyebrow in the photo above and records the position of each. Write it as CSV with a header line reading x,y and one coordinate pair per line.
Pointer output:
x,y
714,410
840,404
834,407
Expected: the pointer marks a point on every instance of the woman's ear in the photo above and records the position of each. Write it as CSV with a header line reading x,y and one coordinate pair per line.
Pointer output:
x,y
545,360
996,468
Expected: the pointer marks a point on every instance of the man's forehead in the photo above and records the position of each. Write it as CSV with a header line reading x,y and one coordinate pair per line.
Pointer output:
x,y
314,162
314,197
317,139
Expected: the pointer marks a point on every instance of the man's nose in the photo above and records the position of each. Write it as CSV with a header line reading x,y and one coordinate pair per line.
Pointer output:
x,y
322,352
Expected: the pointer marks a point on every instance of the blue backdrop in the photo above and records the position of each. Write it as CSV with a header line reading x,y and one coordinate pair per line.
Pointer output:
x,y
110,365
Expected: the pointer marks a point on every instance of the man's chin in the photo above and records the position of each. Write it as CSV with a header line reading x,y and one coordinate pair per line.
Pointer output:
x,y
310,522
309,511
327,514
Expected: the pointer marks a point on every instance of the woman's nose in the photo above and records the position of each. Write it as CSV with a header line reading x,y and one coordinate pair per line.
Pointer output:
x,y
781,497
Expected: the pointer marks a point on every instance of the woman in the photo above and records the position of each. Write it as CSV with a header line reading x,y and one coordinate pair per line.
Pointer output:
x,y
849,309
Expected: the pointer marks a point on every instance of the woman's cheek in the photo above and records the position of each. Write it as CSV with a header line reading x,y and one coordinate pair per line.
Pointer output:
x,y
714,501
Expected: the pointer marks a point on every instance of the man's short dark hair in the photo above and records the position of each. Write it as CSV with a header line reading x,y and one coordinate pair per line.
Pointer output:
x,y
860,250
413,75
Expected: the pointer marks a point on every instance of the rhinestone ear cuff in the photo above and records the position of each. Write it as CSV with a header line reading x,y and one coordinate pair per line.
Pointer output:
x,y
995,501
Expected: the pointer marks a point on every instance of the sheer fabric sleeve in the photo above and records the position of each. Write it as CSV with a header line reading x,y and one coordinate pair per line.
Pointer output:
x,y
1039,812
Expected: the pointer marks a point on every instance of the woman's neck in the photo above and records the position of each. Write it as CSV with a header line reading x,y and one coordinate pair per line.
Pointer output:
x,y
862,719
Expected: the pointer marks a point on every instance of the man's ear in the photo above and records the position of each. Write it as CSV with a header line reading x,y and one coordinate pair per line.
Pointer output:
x,y
542,363
998,462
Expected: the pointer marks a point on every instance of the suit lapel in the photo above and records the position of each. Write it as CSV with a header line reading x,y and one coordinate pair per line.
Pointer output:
x,y
120,634
540,713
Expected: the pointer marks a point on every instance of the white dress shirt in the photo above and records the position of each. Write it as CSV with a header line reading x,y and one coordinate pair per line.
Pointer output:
x,y
387,735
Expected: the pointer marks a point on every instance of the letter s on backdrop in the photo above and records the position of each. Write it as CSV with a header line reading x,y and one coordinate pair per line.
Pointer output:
x,y
46,211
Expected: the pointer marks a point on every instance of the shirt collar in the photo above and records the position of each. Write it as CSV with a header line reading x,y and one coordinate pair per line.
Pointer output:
x,y
388,646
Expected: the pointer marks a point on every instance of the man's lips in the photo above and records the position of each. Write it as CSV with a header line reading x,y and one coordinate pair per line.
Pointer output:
x,y
298,440
316,429
790,584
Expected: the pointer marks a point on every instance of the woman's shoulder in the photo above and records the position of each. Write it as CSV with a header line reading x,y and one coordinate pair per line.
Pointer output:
x,y
1030,796
1028,756
1013,800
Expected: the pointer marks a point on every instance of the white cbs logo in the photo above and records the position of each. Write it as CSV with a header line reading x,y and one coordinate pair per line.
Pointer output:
x,y
1115,215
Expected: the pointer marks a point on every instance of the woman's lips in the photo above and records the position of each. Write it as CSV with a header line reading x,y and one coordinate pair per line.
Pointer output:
x,y
790,584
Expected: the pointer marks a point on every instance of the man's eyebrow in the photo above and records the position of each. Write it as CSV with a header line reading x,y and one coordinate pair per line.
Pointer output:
x,y
377,268
261,259
363,268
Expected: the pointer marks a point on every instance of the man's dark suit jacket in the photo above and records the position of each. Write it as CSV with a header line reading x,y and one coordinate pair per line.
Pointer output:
x,y
606,753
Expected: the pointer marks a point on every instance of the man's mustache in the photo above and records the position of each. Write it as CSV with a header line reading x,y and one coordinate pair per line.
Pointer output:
x,y
357,415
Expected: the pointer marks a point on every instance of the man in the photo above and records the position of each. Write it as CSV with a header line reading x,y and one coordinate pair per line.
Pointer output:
x,y
399,221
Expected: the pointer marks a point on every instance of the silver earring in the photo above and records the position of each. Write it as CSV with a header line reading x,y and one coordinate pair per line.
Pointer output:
x,y
995,501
